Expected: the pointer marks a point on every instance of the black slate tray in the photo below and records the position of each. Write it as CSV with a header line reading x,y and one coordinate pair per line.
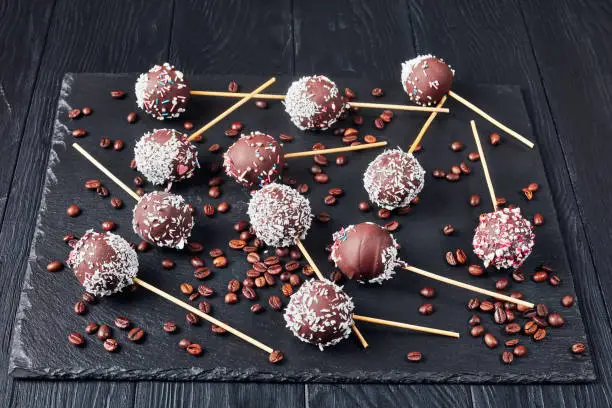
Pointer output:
x,y
45,316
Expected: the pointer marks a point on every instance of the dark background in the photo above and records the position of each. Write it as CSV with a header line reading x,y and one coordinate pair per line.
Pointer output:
x,y
557,52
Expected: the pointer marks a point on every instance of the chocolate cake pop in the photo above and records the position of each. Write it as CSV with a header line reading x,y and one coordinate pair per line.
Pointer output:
x,y
365,252
165,156
254,160
103,263
163,219
162,92
314,102
279,215
503,238
320,313
393,179
426,79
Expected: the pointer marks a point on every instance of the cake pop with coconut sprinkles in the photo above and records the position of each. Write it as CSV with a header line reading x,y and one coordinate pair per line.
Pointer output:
x,y
162,92
365,252
503,238
426,79
279,215
320,313
393,179
104,264
254,160
314,102
165,155
163,219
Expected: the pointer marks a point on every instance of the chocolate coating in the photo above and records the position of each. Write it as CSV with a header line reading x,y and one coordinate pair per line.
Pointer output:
x,y
254,160
162,92
393,179
426,79
279,215
314,102
165,156
163,219
365,252
104,264
503,238
320,313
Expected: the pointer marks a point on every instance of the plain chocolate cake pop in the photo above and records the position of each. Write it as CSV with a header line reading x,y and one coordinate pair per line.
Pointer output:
x,y
279,215
365,252
162,92
503,238
320,313
393,179
426,79
254,160
163,219
104,264
314,102
165,156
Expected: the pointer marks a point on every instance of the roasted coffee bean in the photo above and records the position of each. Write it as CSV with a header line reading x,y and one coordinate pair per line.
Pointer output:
x,y
519,351
186,289
194,349
284,276
456,170
231,133
270,280
329,200
567,301
238,244
464,168
104,332
307,270
261,104
554,280
513,328
457,146
428,292
474,200
169,327
202,273
540,276
507,357
184,343
511,342
92,184
253,257
220,262
275,357
214,192
369,138
336,276
76,339
530,328
73,210
452,177
426,309
500,315
324,217
74,114
257,308
539,335
233,285
241,226
477,331
302,188
341,160
555,320
364,206
490,340
214,148
578,348
91,328
136,334
528,194
118,145
379,123
540,321
473,304
321,178
79,133
204,307
194,296
486,306
249,293
275,269
205,291
122,322
448,229
117,94
450,258
105,143
132,117
223,207
437,173
414,356
461,256
541,310
377,92
287,289
538,219
109,225
275,302
474,320
518,276
80,308
55,266
102,191
192,318
231,298
494,139
89,298
392,226
502,283
292,266
143,246
510,316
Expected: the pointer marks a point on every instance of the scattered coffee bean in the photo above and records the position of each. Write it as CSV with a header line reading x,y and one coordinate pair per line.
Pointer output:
x,y
261,104
220,262
456,170
473,304
474,320
73,210
341,160
194,349
186,289
377,92
204,307
132,117
111,345
202,273
437,173
79,133
452,177
426,309
184,343
323,217
364,206
518,276
233,86
76,339
118,145
499,315
457,146
540,276
554,280
87,111
104,332
136,334
502,283
257,308
231,298
275,302
578,348
192,318
474,200
473,156
321,178
530,328
167,264
512,328
169,327
448,229
556,320
567,301
461,256
117,94
494,139
477,331
486,306
507,357
511,342
223,207
80,308
122,322
55,266
91,328
109,225
541,310
74,114
450,258
205,290
214,192
275,357
414,356
89,298
538,219
490,340
539,335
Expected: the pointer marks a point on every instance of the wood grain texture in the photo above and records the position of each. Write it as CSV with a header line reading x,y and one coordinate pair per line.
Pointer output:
x,y
72,394
77,41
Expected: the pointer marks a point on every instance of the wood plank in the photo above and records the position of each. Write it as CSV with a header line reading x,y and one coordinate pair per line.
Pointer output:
x,y
368,39
76,42
485,42
72,394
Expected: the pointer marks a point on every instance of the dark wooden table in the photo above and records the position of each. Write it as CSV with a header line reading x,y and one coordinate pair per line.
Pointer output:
x,y
557,51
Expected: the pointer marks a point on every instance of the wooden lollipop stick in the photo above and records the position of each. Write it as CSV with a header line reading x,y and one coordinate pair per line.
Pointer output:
x,y
203,315
105,171
491,119
335,150
428,122
406,326
473,288
484,165
352,104
232,108
317,271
